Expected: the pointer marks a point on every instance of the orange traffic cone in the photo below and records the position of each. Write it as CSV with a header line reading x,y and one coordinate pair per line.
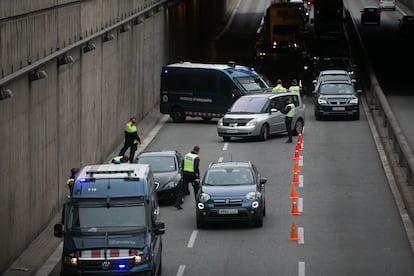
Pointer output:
x,y
300,139
293,193
294,211
296,156
294,233
299,147
296,167
295,179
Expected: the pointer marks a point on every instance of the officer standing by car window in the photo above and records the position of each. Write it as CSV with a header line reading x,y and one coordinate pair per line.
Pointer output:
x,y
131,139
191,173
289,110
279,88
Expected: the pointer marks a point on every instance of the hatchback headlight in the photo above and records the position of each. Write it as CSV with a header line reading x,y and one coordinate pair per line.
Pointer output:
x,y
204,197
252,122
322,101
251,196
354,101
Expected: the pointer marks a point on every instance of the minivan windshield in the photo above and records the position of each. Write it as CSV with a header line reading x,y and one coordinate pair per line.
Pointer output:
x,y
106,219
249,105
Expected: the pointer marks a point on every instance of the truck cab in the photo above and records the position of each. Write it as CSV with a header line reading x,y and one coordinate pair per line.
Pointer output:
x,y
112,222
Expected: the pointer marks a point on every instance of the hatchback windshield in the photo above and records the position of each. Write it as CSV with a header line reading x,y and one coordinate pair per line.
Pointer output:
x,y
229,176
158,163
249,105
336,88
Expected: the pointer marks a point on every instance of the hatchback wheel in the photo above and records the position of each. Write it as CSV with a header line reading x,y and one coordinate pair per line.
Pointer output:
x,y
264,132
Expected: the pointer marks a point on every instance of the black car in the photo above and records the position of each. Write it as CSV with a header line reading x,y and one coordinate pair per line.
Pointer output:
x,y
406,25
231,191
336,98
371,15
167,167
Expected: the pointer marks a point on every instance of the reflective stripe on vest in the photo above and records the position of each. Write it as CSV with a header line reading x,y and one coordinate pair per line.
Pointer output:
x,y
130,128
69,183
189,162
292,110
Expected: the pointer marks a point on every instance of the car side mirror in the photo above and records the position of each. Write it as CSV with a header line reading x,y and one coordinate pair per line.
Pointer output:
x,y
58,230
263,180
273,110
159,228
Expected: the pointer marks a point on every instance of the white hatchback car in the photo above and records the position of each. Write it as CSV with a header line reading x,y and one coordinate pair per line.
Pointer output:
x,y
387,5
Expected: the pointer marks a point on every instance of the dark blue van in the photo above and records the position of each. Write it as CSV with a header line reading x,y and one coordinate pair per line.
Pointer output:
x,y
111,223
206,90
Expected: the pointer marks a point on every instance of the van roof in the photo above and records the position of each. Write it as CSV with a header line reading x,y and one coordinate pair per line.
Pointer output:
x,y
102,171
230,68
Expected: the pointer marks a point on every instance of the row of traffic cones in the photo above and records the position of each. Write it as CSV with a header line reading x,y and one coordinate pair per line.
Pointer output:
x,y
295,181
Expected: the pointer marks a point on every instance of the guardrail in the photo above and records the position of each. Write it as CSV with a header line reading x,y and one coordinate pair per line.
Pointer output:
x,y
395,144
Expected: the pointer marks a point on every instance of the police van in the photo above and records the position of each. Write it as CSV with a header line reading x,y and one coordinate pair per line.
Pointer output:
x,y
206,90
112,222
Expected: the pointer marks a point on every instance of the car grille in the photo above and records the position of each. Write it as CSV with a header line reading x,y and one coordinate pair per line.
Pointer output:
x,y
338,101
235,122
227,202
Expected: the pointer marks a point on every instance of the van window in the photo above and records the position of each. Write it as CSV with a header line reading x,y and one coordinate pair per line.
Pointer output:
x,y
191,80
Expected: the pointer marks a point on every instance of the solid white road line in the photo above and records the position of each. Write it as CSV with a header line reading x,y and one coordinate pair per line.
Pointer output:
x,y
181,270
301,269
192,239
301,235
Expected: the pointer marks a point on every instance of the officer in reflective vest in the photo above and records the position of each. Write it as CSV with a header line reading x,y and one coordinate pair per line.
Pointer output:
x,y
191,173
279,87
119,159
289,110
131,139
294,86
69,188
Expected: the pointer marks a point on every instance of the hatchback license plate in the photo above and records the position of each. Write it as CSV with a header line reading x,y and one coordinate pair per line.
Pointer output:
x,y
338,108
228,211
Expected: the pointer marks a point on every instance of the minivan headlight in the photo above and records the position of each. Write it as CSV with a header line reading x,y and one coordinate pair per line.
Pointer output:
x,y
220,122
252,122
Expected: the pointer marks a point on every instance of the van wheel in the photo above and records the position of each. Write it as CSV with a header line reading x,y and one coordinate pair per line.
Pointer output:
x,y
177,115
264,133
226,138
298,127
206,118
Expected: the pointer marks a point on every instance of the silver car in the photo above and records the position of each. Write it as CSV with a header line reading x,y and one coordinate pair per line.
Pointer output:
x,y
259,115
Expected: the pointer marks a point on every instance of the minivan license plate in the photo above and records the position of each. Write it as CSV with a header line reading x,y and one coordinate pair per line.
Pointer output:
x,y
228,211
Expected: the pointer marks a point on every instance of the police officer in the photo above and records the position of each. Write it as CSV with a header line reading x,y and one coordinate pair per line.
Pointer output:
x,y
294,87
191,173
131,139
289,110
69,188
119,159
279,88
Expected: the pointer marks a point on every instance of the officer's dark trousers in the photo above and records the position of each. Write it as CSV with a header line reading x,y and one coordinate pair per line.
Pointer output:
x,y
129,143
187,178
288,122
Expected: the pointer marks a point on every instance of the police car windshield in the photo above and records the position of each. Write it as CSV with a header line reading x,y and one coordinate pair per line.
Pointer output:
x,y
251,84
103,219
158,164
249,105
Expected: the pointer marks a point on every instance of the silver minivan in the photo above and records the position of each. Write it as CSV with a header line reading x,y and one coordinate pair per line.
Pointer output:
x,y
259,115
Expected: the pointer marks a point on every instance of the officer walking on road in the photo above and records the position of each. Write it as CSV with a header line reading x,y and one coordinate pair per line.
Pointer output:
x,y
294,87
191,173
131,139
289,110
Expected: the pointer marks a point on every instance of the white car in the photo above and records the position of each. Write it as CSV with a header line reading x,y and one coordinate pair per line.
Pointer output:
x,y
387,5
